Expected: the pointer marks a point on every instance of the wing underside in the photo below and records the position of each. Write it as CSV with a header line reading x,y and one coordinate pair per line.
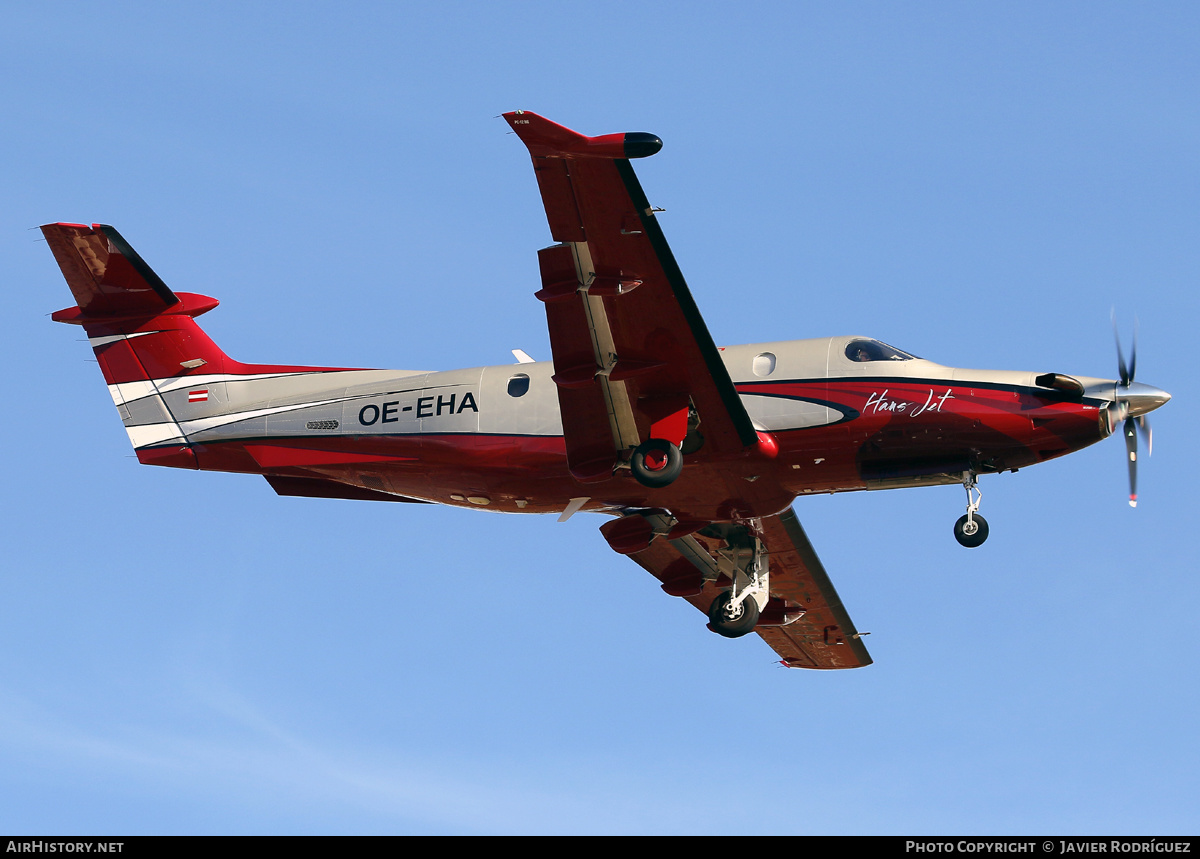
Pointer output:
x,y
633,358
804,621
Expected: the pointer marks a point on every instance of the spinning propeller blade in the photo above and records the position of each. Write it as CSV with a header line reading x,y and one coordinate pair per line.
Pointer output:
x,y
1125,376
1131,402
1131,450
1143,424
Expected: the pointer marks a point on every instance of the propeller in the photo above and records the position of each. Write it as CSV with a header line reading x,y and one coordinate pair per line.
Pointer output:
x,y
1132,402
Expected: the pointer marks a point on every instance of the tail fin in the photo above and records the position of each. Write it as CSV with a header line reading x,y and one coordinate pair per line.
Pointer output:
x,y
106,275
144,335
164,373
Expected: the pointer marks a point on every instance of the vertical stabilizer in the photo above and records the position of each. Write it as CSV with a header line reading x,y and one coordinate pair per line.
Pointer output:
x,y
144,335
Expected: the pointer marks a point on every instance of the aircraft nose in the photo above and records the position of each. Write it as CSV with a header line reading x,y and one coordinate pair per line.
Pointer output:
x,y
1142,399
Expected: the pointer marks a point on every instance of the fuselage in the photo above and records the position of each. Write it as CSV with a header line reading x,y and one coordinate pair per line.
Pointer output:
x,y
839,419
697,451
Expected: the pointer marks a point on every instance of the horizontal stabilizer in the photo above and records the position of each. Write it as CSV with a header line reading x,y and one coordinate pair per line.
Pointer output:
x,y
315,487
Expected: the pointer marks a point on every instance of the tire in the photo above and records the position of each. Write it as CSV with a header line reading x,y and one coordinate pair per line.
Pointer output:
x,y
971,540
656,463
732,627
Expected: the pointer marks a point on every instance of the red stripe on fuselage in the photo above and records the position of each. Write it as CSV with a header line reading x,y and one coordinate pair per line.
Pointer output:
x,y
996,427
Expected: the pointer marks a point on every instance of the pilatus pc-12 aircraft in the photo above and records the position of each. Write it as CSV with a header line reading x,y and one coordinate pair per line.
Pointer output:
x,y
697,452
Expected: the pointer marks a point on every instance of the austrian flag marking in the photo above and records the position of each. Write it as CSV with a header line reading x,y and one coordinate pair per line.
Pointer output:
x,y
200,396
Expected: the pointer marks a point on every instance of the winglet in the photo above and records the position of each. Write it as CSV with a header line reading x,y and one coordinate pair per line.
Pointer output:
x,y
550,140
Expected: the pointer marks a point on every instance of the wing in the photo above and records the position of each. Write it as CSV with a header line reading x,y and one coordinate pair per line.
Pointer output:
x,y
804,621
633,358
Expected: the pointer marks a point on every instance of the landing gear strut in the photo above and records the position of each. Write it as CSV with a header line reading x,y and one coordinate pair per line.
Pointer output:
x,y
735,612
972,529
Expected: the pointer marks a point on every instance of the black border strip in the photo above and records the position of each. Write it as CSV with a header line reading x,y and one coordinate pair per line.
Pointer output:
x,y
254,439
1045,393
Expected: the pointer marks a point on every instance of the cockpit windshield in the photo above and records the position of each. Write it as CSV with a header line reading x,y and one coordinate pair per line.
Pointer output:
x,y
874,350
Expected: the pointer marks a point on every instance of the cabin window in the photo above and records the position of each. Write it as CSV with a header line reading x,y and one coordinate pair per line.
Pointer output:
x,y
763,364
873,350
518,385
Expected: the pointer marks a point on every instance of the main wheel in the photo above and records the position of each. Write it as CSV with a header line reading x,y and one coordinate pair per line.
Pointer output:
x,y
971,534
656,463
732,622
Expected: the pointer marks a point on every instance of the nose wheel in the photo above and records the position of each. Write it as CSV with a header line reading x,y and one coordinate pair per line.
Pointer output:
x,y
971,529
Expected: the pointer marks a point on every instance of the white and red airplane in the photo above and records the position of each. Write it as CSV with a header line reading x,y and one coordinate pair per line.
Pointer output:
x,y
696,451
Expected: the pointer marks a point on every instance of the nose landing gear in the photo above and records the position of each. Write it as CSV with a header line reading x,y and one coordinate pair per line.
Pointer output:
x,y
972,529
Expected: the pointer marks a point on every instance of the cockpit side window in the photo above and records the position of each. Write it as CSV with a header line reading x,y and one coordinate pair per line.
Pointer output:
x,y
874,350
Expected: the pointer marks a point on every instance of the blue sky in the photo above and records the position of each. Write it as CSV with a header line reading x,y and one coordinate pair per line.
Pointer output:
x,y
188,653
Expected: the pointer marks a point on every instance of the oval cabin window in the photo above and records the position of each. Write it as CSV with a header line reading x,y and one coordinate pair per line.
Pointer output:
x,y
764,364
518,385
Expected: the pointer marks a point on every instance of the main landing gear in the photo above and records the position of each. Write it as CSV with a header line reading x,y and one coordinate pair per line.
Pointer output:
x,y
735,612
656,463
733,618
972,529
